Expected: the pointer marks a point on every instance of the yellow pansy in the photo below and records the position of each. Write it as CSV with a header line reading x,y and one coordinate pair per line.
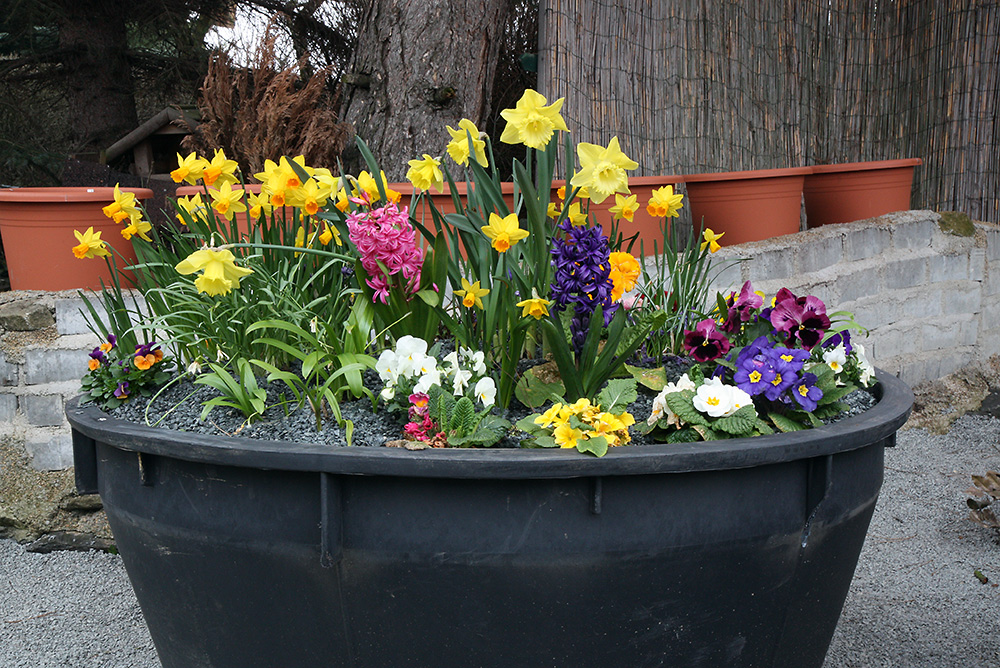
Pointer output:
x,y
531,122
711,240
227,201
625,207
188,169
664,203
123,207
471,293
219,170
219,271
426,173
602,170
90,245
504,232
458,147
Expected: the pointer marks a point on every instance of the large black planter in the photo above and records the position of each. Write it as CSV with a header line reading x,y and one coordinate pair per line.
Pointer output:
x,y
250,553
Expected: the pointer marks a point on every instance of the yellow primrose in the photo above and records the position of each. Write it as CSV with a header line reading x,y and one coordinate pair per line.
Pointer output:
x,y
504,232
550,416
188,169
310,197
624,273
192,205
602,170
458,147
137,226
711,239
471,293
625,207
123,207
90,245
532,123
566,436
219,271
219,170
227,201
426,173
536,307
664,203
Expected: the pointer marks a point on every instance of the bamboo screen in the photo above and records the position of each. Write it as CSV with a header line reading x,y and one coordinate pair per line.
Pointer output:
x,y
693,86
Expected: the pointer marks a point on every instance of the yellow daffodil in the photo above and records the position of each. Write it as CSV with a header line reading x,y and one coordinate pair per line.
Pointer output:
x,y
531,122
711,240
504,232
90,245
664,203
471,293
625,207
220,170
137,226
260,205
123,207
227,201
329,234
310,197
343,203
219,271
602,170
189,169
458,147
426,173
368,188
192,205
625,272
536,307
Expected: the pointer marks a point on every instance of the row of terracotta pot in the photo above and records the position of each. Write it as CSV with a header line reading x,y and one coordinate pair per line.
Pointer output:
x,y
37,223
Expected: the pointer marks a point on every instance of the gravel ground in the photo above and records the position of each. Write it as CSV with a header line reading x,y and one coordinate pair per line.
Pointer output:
x,y
915,601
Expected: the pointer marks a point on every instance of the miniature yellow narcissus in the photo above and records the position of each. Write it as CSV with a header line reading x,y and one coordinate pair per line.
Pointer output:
x,y
625,207
536,307
220,170
664,203
189,169
227,201
471,293
192,205
711,239
504,232
531,122
458,147
90,245
137,226
123,207
219,271
426,173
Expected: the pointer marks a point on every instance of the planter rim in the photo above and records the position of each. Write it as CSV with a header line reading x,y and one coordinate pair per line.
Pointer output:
x,y
881,421
751,174
865,166
73,194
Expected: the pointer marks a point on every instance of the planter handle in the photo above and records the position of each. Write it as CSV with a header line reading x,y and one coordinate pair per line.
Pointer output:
x,y
331,527
818,483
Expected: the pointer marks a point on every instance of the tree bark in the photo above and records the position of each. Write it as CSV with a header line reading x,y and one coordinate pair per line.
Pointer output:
x,y
99,85
419,66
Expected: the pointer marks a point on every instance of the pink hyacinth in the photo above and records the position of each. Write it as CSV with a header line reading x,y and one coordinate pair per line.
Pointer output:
x,y
385,235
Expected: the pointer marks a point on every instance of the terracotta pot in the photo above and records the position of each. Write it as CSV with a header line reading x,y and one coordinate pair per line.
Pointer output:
x,y
747,206
37,228
858,190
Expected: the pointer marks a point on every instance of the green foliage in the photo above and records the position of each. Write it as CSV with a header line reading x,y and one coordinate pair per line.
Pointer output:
x,y
533,392
655,379
241,393
118,373
464,426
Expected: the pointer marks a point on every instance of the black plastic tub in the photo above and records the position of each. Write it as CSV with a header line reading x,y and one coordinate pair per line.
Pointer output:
x,y
249,553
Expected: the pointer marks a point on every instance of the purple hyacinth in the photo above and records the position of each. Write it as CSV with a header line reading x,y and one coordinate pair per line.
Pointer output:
x,y
582,278
806,393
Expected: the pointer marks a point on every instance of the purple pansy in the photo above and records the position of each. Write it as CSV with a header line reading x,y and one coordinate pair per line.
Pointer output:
x,y
741,310
705,343
122,390
841,337
799,318
806,393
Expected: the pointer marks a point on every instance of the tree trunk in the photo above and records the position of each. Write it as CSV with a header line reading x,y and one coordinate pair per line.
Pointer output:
x,y
420,66
98,77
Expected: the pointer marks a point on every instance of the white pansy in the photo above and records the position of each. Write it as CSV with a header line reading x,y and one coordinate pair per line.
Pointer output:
x,y
462,378
428,380
715,399
424,364
409,353
486,391
836,358
387,367
867,370
478,360
451,359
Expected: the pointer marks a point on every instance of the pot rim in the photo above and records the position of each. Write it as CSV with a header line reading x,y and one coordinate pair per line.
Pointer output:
x,y
880,422
67,194
866,166
747,175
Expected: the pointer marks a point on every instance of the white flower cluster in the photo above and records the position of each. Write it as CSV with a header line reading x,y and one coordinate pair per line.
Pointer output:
x,y
713,397
410,361
836,359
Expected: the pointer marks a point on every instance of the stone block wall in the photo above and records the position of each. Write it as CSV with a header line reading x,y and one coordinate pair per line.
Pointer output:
x,y
926,292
